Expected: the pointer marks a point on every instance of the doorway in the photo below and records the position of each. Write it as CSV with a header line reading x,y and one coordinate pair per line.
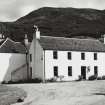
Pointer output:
x,y
83,72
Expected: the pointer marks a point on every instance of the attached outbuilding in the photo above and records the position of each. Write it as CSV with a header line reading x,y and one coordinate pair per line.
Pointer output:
x,y
13,61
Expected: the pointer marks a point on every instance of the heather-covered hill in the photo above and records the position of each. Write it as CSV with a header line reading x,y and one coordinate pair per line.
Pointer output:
x,y
68,22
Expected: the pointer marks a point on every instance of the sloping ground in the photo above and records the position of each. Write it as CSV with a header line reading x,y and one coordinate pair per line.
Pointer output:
x,y
67,93
66,22
9,95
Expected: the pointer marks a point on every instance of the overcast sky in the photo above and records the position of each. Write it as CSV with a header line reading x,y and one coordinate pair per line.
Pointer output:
x,y
11,10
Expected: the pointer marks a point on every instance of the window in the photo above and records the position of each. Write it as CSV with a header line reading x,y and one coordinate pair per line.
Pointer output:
x,y
95,70
55,54
69,55
82,56
30,57
69,70
55,71
95,56
30,72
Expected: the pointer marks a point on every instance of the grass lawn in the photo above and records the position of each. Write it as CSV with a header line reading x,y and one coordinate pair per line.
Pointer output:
x,y
9,95
65,93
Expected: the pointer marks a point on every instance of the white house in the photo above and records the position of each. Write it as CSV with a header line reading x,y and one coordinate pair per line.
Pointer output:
x,y
13,61
68,58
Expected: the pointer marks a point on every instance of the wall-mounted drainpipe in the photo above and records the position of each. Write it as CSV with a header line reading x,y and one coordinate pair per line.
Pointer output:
x,y
44,67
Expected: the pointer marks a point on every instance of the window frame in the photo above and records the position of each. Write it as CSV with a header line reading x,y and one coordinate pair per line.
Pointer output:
x,y
55,54
82,56
69,55
55,71
96,70
30,57
95,56
70,71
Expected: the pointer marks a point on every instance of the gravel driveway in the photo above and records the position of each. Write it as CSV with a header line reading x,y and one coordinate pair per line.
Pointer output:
x,y
65,93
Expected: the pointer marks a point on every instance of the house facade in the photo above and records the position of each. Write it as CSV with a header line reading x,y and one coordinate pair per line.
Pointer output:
x,y
65,58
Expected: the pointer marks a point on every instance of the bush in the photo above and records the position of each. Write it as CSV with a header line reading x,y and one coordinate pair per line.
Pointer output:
x,y
103,77
52,80
79,78
93,77
99,78
3,82
35,80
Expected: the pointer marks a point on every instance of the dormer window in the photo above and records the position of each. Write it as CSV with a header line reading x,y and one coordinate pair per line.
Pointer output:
x,y
55,54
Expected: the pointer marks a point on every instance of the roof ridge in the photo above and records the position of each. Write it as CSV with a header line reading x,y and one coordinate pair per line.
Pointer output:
x,y
71,38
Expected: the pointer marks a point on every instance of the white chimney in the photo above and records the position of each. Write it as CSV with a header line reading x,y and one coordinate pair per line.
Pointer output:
x,y
1,37
26,40
37,32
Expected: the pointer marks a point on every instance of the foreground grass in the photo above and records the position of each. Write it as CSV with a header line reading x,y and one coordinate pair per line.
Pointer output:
x,y
65,93
9,95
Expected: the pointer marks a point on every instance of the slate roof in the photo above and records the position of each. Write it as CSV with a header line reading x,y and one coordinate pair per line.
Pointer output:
x,y
71,44
9,46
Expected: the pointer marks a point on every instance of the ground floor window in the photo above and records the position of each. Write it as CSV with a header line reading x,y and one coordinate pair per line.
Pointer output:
x,y
96,70
31,72
69,70
83,72
55,71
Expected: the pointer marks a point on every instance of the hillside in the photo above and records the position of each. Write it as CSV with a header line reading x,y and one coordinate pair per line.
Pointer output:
x,y
68,22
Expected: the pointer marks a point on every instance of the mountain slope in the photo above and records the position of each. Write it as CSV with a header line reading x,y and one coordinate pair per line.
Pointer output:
x,y
68,22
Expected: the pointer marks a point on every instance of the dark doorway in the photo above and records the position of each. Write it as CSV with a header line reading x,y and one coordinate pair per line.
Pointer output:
x,y
83,72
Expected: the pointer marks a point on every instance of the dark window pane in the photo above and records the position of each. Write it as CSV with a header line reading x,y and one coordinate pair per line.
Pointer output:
x,y
55,54
95,56
96,70
70,71
69,55
56,71
83,56
31,72
30,57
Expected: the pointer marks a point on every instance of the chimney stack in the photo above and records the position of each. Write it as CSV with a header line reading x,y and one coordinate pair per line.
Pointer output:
x,y
1,37
26,40
37,32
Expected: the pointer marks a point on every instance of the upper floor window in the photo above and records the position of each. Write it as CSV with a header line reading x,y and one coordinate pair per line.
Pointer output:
x,y
30,57
56,71
95,56
82,56
69,55
69,70
55,54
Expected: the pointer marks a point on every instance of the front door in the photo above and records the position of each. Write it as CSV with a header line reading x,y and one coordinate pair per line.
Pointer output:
x,y
83,72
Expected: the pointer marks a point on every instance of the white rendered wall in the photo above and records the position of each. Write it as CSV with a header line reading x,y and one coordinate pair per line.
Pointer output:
x,y
12,62
37,59
62,62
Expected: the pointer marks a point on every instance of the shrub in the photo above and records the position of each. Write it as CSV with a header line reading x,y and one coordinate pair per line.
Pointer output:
x,y
79,78
103,77
92,77
36,80
99,78
52,80
20,100
3,82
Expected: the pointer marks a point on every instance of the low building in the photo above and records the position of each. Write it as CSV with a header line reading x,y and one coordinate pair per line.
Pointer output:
x,y
65,58
13,65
